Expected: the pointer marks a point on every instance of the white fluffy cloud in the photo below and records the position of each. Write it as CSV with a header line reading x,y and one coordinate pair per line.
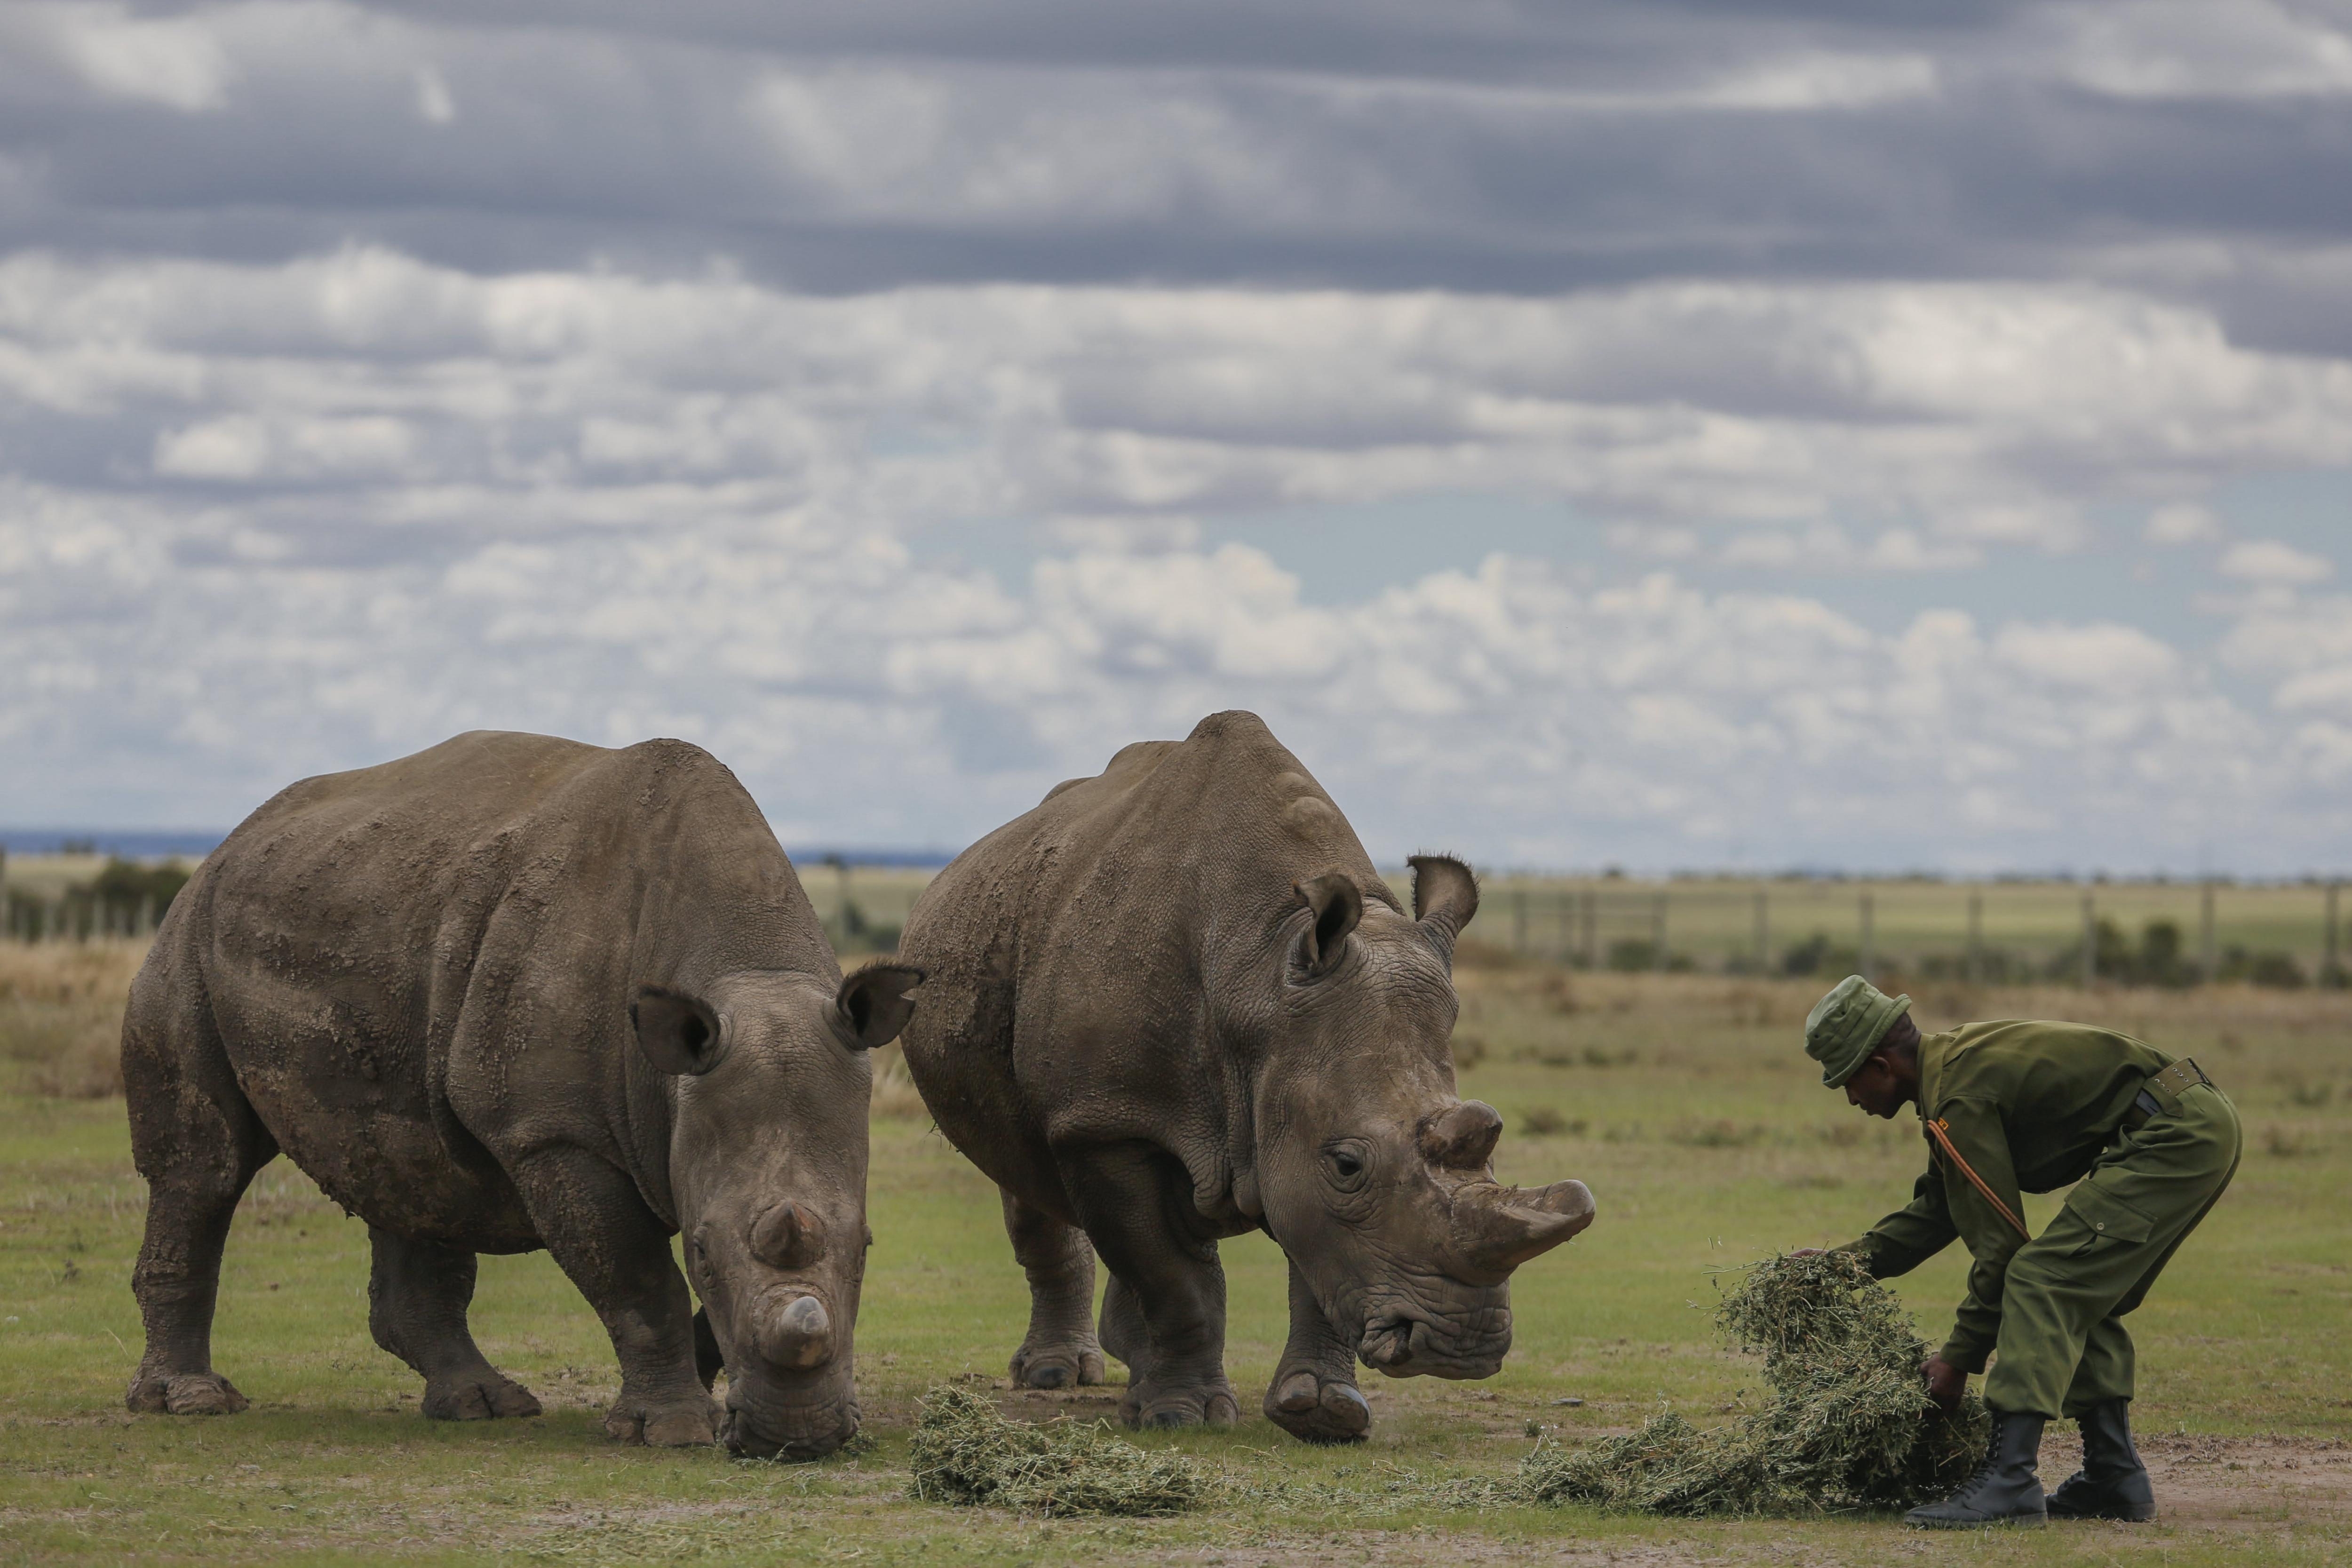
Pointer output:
x,y
267,520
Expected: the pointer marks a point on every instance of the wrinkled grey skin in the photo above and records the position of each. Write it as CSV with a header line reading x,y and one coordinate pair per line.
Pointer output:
x,y
1175,1003
513,993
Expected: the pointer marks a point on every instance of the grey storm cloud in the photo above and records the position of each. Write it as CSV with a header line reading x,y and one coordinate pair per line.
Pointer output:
x,y
1516,147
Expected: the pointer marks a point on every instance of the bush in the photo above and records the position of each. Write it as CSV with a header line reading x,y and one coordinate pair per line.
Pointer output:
x,y
1818,955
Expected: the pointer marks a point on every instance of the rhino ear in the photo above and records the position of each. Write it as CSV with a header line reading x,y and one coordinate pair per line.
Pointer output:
x,y
679,1033
1338,904
1445,898
874,1004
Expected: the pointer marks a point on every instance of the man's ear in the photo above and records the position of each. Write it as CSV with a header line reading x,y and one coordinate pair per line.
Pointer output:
x,y
1337,904
679,1033
873,1003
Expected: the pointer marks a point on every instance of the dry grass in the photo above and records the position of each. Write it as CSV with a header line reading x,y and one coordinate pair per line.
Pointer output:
x,y
61,1015
895,1093
1846,1426
965,1452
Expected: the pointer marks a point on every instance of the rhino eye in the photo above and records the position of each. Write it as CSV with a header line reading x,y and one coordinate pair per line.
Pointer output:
x,y
1345,1164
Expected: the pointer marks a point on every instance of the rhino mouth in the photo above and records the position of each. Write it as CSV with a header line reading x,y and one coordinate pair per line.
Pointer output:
x,y
756,1429
1406,1344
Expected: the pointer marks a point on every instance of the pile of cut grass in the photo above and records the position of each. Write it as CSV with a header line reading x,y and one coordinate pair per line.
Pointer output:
x,y
1846,1423
965,1452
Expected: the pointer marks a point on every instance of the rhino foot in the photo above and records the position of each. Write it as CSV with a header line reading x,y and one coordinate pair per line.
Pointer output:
x,y
478,1396
1152,1405
678,1424
185,1393
1314,1411
1072,1365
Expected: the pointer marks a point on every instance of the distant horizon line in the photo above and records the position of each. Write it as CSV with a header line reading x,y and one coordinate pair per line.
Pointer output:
x,y
149,843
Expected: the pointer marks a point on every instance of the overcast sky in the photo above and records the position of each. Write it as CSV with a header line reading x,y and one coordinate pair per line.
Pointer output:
x,y
1864,436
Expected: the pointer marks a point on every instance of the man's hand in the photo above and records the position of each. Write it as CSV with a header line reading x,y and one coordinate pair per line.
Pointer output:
x,y
1946,1382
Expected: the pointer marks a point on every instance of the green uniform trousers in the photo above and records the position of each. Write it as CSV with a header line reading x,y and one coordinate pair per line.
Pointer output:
x,y
2063,1346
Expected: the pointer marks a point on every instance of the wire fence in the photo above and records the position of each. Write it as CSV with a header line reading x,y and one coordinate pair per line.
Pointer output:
x,y
2154,933
2144,933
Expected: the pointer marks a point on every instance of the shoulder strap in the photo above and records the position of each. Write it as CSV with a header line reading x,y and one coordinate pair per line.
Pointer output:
x,y
1939,1130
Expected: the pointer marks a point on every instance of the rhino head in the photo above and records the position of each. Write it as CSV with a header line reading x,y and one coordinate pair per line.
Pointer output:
x,y
767,1166
1372,1174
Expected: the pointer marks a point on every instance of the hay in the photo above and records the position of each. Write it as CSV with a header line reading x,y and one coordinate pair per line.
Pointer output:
x,y
1846,1423
964,1452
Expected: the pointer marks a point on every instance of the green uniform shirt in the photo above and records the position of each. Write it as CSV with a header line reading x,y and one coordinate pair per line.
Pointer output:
x,y
2027,1106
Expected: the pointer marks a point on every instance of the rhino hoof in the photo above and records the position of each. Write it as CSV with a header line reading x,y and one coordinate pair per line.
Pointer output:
x,y
477,1399
1057,1366
677,1426
1314,1410
1181,1407
188,1394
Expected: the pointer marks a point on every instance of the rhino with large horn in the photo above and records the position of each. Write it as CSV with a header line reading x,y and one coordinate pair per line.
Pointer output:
x,y
1175,1003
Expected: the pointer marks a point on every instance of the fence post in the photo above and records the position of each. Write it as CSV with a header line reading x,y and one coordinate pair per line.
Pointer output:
x,y
2207,967
1869,937
1658,933
1591,913
1976,938
2332,971
1763,936
2090,943
1519,920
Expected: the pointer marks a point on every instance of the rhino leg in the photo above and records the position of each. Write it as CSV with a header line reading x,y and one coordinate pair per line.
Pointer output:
x,y
196,1140
417,1295
1314,1396
601,1233
1164,1314
1061,1350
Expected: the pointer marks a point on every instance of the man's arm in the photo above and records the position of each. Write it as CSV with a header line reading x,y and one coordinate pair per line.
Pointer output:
x,y
1987,1210
1912,1234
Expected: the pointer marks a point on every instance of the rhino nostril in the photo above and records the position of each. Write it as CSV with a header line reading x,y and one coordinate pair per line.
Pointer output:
x,y
800,1336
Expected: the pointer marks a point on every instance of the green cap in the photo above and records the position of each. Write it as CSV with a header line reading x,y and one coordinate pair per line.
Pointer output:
x,y
1845,1026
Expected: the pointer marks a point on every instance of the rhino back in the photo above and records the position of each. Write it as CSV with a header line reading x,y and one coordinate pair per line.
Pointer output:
x,y
421,970
1087,962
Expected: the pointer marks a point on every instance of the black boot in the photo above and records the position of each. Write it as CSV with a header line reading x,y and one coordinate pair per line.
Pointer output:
x,y
2004,1490
2112,1483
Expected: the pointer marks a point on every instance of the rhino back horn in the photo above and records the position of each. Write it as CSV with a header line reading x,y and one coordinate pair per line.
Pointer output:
x,y
1462,1136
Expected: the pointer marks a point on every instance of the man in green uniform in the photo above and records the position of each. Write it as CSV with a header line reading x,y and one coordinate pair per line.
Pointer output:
x,y
2024,1107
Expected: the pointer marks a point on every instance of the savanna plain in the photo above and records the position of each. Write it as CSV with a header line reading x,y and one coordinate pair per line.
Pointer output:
x,y
1682,1099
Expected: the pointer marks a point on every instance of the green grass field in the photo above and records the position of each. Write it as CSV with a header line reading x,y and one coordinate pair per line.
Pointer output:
x,y
1681,1100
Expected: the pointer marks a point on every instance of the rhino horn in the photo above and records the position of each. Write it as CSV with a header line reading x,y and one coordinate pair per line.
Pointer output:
x,y
787,1236
1462,1136
1496,1229
801,1336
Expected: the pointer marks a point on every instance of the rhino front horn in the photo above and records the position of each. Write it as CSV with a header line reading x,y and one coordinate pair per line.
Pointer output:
x,y
801,1336
1498,1228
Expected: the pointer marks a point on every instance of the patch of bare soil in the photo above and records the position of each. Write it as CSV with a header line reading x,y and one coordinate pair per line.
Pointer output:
x,y
2231,1482
2203,1485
